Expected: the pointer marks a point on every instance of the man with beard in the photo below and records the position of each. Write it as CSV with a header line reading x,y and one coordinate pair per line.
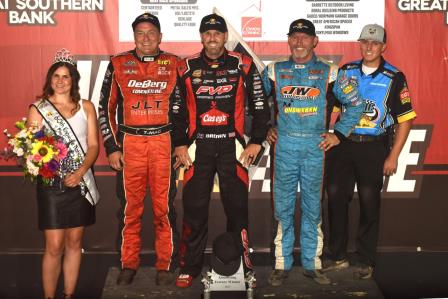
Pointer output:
x,y
208,118
304,88
367,154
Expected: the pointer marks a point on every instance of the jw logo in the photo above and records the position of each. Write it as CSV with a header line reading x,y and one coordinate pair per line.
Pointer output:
x,y
300,92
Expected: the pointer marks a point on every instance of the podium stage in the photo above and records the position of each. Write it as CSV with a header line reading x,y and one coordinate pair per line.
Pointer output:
x,y
296,286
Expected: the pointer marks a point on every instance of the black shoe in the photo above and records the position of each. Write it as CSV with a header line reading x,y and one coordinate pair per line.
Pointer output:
x,y
277,277
331,265
164,278
126,276
363,272
318,276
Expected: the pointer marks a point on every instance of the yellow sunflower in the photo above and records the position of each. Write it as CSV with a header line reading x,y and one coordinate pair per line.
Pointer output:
x,y
44,150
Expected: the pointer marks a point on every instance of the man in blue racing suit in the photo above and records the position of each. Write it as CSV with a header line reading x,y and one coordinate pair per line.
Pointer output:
x,y
304,89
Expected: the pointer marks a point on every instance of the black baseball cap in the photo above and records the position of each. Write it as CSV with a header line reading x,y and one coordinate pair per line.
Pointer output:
x,y
302,25
146,17
227,252
213,22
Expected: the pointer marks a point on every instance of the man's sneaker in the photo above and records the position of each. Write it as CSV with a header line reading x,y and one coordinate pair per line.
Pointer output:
x,y
317,275
330,265
126,276
164,278
363,272
184,281
277,277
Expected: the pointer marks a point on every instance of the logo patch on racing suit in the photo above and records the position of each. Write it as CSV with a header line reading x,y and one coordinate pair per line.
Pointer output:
x,y
404,96
315,72
302,111
370,115
196,81
147,86
163,61
300,92
197,73
214,117
347,89
130,63
130,72
211,90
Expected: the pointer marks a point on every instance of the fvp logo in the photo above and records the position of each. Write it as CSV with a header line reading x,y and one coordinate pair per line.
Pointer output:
x,y
211,90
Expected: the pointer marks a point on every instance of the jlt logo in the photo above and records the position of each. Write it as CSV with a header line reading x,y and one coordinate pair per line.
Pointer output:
x,y
214,90
145,105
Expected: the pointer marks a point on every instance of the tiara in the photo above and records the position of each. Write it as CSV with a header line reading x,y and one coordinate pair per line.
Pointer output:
x,y
64,55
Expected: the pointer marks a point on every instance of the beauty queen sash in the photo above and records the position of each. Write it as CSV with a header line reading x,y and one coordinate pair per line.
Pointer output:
x,y
61,128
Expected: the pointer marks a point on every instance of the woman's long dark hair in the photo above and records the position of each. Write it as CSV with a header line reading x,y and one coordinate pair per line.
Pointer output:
x,y
75,76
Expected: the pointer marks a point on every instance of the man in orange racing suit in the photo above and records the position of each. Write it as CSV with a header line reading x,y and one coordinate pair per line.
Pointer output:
x,y
136,92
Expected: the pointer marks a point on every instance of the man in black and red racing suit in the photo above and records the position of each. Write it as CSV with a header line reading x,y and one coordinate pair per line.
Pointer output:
x,y
208,135
136,92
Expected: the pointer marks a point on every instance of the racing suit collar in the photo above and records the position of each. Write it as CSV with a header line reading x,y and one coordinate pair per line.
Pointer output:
x,y
218,62
379,70
147,58
306,64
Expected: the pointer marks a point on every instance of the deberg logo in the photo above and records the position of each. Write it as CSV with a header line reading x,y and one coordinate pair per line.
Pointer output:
x,y
251,26
424,6
42,12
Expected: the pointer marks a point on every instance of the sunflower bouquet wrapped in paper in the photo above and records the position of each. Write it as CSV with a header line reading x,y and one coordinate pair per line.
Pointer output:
x,y
37,151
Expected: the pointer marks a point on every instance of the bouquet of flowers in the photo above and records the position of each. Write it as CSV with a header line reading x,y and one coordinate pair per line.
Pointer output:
x,y
37,151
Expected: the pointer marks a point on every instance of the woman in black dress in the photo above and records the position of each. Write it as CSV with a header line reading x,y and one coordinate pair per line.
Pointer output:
x,y
63,210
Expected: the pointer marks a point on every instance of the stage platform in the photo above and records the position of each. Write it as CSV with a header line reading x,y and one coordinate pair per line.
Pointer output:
x,y
296,286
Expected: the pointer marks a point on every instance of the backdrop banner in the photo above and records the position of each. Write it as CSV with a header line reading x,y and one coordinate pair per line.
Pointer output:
x,y
414,211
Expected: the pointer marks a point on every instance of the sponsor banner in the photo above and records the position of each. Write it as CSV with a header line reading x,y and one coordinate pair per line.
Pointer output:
x,y
343,20
45,12
424,6
254,19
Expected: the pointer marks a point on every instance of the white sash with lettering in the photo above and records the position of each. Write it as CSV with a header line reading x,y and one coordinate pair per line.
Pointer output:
x,y
62,129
